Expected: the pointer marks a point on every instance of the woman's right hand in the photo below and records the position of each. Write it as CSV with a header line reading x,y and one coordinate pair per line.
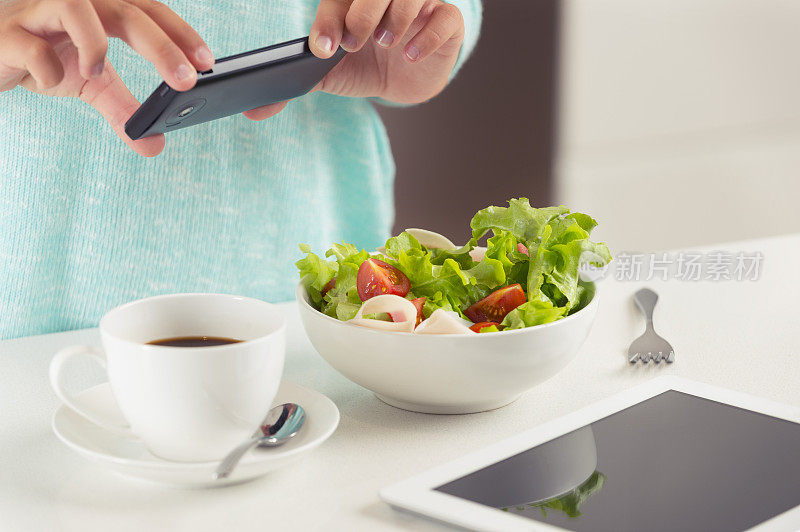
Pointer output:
x,y
58,48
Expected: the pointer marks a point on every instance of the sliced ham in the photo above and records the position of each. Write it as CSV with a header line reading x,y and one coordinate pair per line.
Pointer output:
x,y
402,311
431,240
381,325
444,322
477,253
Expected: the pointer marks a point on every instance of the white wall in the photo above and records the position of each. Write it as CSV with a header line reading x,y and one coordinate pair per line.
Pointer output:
x,y
680,119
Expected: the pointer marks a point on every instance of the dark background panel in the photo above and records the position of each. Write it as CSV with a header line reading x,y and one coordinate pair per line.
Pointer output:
x,y
490,135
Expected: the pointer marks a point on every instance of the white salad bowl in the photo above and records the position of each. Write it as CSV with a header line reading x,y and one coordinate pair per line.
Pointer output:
x,y
448,373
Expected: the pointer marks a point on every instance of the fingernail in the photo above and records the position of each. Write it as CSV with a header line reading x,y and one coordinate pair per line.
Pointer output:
x,y
384,37
97,69
183,72
325,43
412,52
348,41
204,55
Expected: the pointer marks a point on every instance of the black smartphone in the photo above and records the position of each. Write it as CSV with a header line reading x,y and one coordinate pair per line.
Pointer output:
x,y
233,85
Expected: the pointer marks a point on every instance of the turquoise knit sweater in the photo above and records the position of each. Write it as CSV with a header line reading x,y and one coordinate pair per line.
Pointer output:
x,y
86,224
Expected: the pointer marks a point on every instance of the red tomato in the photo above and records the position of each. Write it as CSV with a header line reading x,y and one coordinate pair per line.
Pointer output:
x,y
496,305
375,277
328,286
521,248
419,302
478,326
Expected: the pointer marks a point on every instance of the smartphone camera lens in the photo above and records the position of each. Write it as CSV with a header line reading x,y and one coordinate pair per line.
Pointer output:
x,y
184,110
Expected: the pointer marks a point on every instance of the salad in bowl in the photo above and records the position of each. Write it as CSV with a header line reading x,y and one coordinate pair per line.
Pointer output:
x,y
532,271
433,327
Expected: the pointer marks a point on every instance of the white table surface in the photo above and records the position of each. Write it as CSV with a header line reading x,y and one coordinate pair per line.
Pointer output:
x,y
741,335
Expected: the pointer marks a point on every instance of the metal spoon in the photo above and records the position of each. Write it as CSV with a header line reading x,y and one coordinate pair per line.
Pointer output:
x,y
281,423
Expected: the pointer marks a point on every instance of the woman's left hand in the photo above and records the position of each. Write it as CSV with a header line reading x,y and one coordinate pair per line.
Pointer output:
x,y
400,50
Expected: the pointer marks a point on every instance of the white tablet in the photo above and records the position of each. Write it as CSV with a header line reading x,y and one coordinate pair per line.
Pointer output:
x,y
668,455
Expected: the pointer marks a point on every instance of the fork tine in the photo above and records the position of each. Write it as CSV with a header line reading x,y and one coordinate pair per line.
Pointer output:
x,y
649,346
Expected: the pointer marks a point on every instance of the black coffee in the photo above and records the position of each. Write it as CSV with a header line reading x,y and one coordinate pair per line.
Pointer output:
x,y
194,341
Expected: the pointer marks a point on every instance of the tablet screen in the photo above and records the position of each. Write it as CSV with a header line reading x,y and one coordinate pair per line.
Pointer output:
x,y
673,462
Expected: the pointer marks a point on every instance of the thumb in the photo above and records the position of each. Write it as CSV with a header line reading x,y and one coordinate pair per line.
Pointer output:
x,y
112,99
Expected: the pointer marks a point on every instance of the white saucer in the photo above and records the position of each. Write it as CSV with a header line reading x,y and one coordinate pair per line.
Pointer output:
x,y
130,458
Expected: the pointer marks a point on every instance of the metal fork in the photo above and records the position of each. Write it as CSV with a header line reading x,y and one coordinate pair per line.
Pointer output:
x,y
649,346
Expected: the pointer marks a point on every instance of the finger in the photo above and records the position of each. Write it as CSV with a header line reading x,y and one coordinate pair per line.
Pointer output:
x,y
79,20
266,111
28,53
133,26
361,21
396,21
326,32
445,25
181,33
109,95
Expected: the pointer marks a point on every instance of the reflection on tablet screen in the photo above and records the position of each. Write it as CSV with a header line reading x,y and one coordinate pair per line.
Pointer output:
x,y
673,462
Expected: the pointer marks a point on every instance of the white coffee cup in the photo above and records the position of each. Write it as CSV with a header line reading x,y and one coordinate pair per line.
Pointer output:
x,y
186,404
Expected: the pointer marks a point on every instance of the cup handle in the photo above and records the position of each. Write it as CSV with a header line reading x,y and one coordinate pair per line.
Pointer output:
x,y
56,381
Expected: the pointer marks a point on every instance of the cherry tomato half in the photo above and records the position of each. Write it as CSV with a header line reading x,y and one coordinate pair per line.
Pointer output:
x,y
522,249
419,302
375,277
496,305
478,326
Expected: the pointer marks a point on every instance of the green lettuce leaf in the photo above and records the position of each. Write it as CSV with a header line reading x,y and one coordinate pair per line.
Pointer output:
x,y
402,243
460,255
534,312
540,263
315,273
586,292
564,274
574,226
437,301
447,285
347,252
519,218
342,301
503,246
557,241
405,242
459,287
